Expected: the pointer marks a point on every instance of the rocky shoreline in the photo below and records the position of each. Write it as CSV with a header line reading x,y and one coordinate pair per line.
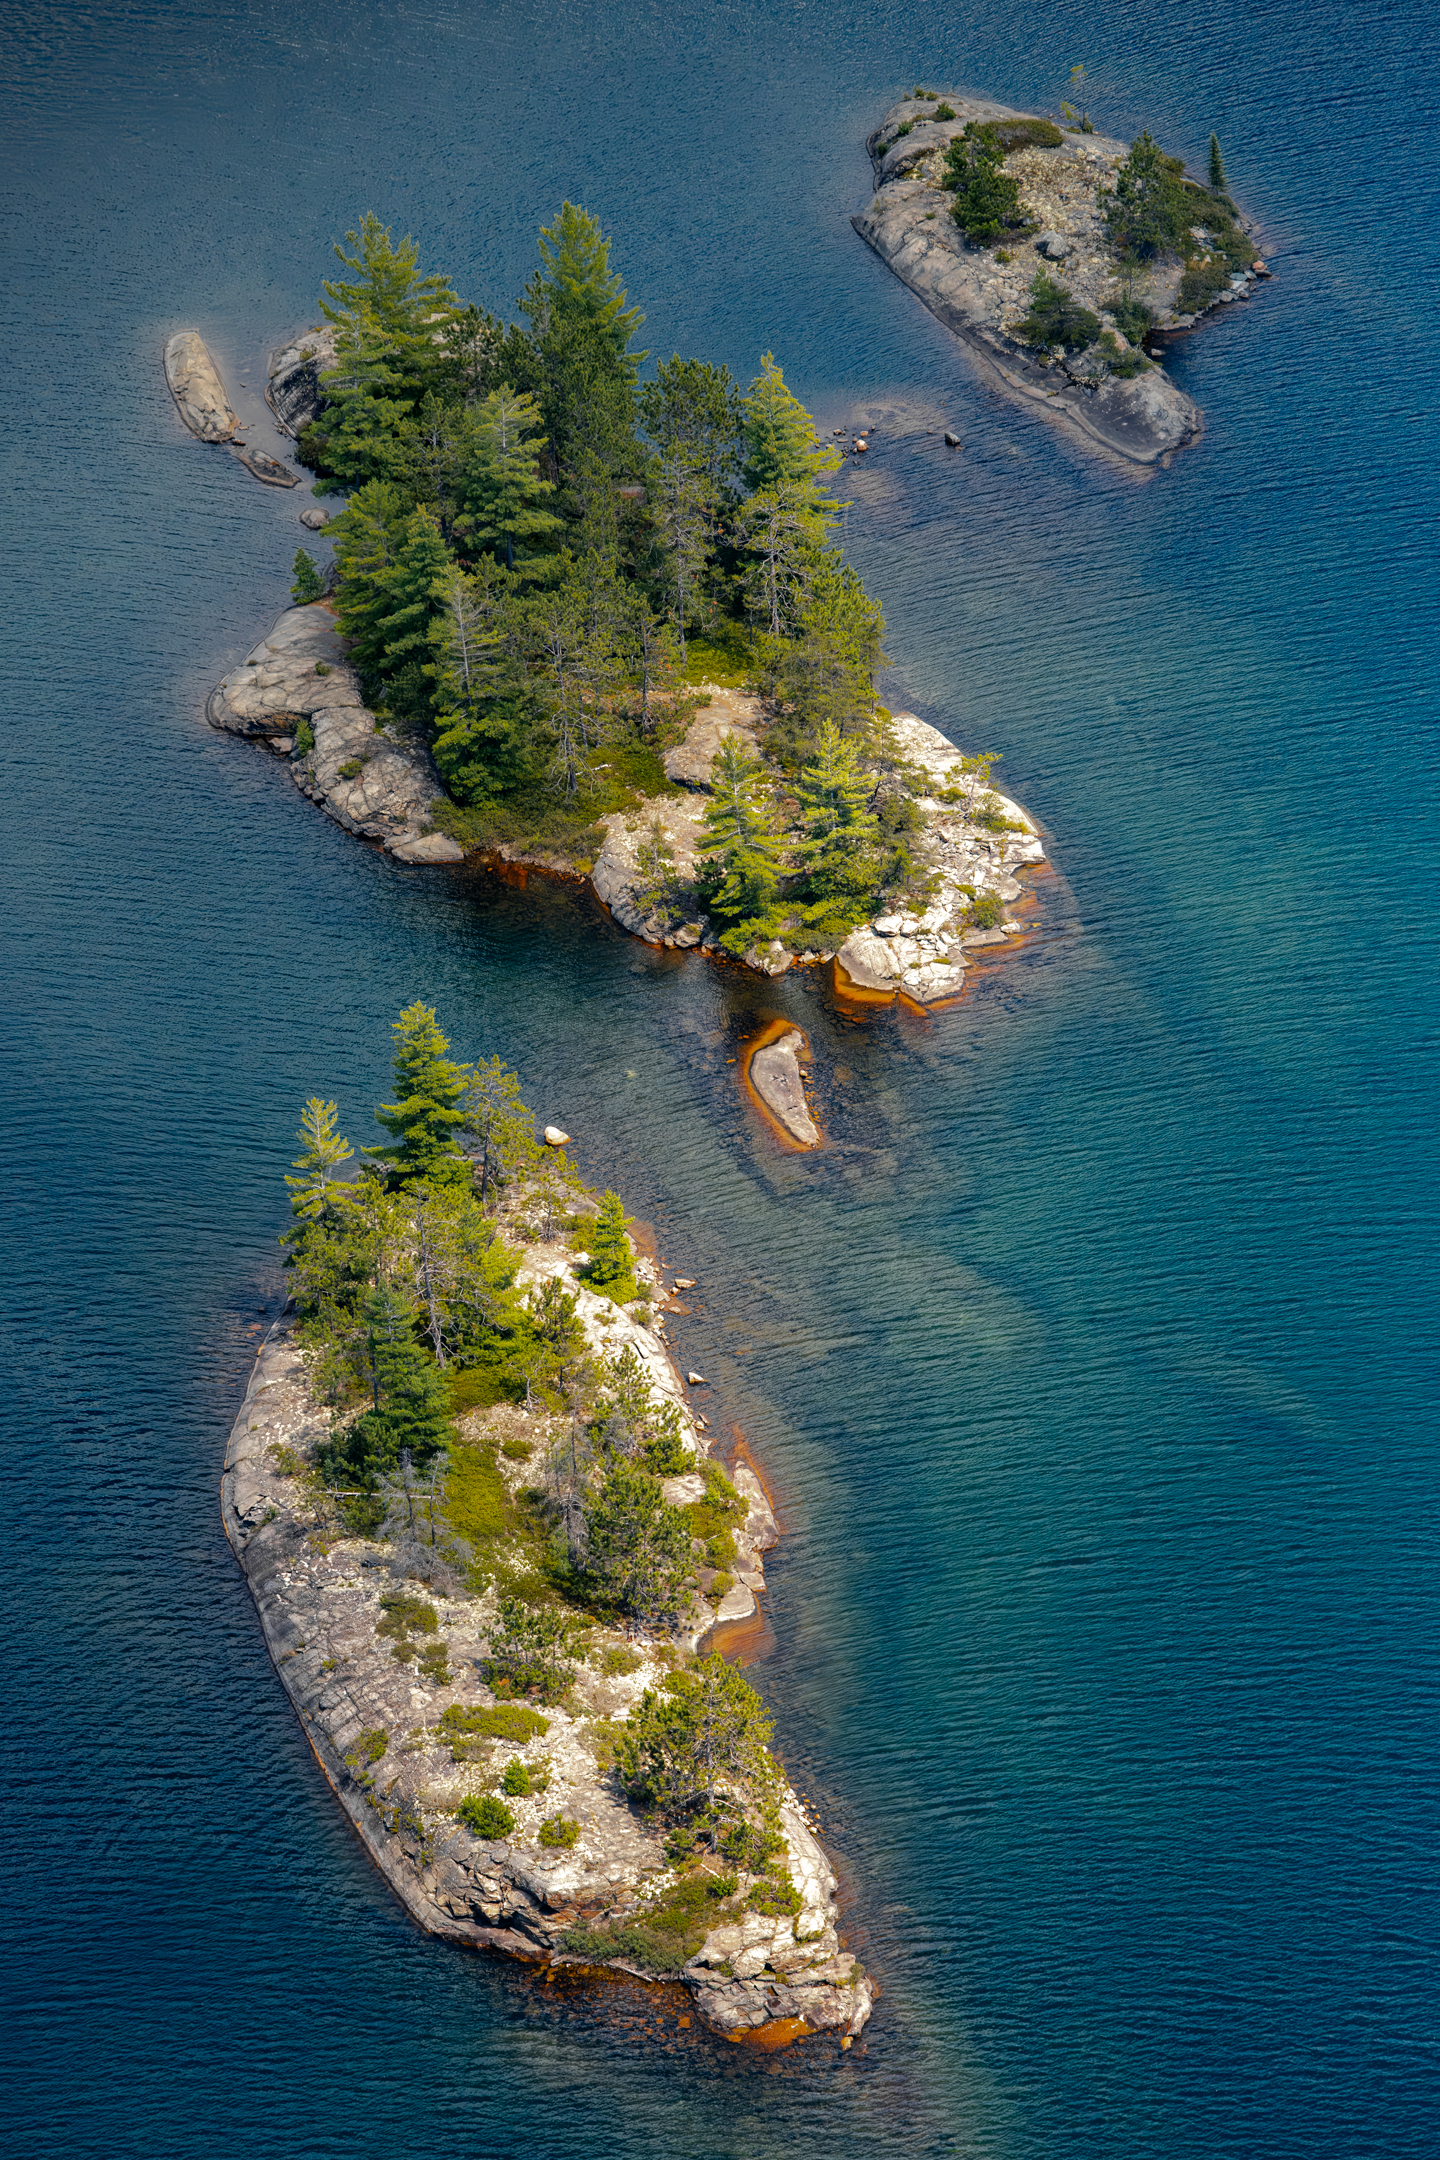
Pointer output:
x,y
379,1727
1141,418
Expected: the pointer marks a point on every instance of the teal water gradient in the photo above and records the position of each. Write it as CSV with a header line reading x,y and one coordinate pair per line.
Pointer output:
x,y
1093,1361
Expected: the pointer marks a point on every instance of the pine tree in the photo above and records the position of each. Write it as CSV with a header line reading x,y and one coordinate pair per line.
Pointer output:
x,y
480,720
503,490
686,1751
637,1547
426,1117
780,529
682,503
322,1152
1148,209
839,829
410,1398
612,1264
500,1122
1219,185
825,674
780,440
741,874
412,602
308,585
388,305
576,286
368,535
692,410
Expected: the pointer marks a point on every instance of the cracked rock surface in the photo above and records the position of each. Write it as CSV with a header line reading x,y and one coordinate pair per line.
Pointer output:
x,y
373,1722
362,777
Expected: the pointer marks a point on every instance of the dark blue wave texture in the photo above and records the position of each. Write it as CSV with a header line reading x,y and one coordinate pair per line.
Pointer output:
x,y
1091,1359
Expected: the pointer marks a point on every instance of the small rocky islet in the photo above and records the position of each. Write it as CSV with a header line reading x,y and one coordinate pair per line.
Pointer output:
x,y
500,1802
1106,382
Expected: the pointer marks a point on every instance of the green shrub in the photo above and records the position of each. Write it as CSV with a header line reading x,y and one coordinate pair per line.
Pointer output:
x,y
516,1450
1205,277
368,1748
944,112
987,200
666,1935
353,767
987,911
1026,134
618,1660
775,1894
1133,317
434,1663
304,738
1056,318
523,1778
507,1721
402,1613
486,1817
308,583
559,1832
1120,361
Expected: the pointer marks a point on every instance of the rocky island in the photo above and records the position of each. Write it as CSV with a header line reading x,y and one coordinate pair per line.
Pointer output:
x,y
609,638
487,1539
1062,259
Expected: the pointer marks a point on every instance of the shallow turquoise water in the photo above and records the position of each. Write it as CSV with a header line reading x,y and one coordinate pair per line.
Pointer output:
x,y
1093,1361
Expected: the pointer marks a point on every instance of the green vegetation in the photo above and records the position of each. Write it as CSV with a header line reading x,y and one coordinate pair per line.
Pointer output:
x,y
538,553
697,1753
308,584
987,200
1219,185
368,1749
1155,210
522,1779
559,1832
617,1661
945,111
612,1263
987,911
506,1721
665,1934
486,1817
1056,318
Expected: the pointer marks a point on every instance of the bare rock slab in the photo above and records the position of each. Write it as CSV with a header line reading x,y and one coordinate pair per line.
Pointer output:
x,y
197,389
775,1076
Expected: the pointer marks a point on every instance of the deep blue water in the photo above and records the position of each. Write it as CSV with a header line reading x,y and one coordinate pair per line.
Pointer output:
x,y
1094,1359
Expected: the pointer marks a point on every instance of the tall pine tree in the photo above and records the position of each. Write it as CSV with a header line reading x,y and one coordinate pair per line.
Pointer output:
x,y
426,1118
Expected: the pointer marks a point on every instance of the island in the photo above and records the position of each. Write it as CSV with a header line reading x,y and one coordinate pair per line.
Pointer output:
x,y
599,627
1063,260
488,1541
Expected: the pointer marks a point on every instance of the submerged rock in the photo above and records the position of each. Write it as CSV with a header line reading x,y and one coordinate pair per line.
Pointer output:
x,y
775,1076
197,389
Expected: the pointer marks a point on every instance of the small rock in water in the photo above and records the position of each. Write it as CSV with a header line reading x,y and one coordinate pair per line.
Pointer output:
x,y
952,440
685,1282
697,1379
555,1138
314,519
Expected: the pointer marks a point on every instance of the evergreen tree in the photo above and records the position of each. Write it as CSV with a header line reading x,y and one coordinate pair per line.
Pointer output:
x,y
612,1264
692,411
839,829
780,529
500,1122
699,1750
739,877
631,1419
503,490
388,307
410,1400
531,1649
1219,185
1148,210
637,1547
368,535
415,589
825,675
426,1117
322,1151
682,500
576,286
308,585
480,720
987,200
781,445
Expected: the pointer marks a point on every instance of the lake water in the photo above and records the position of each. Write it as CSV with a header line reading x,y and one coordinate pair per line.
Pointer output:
x,y
1092,1362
